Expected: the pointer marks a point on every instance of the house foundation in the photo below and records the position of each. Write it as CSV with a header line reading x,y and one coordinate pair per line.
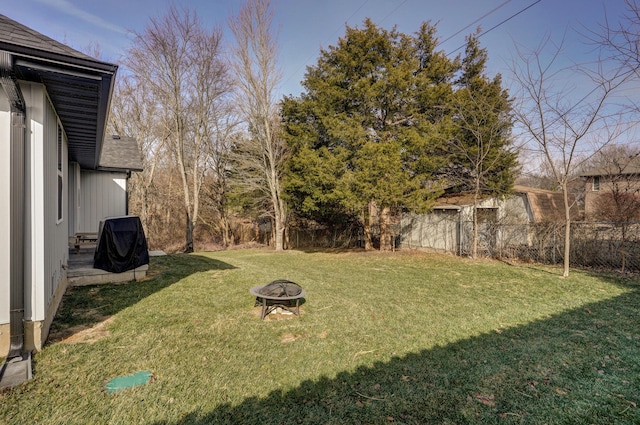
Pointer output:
x,y
33,333
5,338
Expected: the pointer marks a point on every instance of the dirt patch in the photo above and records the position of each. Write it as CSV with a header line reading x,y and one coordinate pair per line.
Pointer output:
x,y
290,337
82,334
278,314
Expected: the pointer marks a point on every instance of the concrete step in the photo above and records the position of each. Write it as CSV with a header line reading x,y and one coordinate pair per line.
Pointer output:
x,y
91,276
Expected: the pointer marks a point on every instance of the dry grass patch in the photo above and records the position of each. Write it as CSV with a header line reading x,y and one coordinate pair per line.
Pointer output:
x,y
82,333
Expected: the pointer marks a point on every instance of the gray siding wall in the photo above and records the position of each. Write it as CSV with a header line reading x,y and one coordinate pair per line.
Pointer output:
x,y
451,230
102,194
439,230
56,237
517,210
47,247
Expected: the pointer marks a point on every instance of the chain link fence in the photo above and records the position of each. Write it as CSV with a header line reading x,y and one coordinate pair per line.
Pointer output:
x,y
612,246
349,236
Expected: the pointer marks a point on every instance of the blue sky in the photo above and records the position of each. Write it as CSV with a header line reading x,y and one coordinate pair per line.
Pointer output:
x,y
307,25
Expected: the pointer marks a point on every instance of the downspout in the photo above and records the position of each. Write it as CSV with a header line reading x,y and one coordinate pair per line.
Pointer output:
x,y
17,140
460,232
126,193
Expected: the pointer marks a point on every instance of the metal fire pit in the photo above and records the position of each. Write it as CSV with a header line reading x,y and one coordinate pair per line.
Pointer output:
x,y
279,293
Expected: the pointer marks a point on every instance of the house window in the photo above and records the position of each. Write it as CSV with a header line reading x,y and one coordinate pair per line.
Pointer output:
x,y
596,183
59,172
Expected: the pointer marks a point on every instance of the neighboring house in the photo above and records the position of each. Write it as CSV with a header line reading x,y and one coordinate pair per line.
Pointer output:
x,y
59,173
620,180
448,227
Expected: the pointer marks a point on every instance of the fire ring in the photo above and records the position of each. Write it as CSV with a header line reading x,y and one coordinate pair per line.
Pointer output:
x,y
278,293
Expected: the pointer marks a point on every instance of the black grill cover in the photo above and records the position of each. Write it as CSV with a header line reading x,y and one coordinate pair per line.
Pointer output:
x,y
121,245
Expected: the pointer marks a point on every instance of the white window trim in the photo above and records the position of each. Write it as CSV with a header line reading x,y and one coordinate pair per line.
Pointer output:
x,y
60,174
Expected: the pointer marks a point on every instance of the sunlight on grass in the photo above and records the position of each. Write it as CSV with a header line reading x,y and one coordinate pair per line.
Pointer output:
x,y
411,336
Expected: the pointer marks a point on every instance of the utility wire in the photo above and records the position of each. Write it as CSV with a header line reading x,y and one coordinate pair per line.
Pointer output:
x,y
474,22
499,24
447,39
348,19
393,11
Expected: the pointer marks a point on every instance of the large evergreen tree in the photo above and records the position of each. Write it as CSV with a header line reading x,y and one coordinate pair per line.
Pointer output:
x,y
375,124
362,133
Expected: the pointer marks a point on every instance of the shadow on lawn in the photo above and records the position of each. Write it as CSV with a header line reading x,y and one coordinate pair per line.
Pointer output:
x,y
85,306
580,366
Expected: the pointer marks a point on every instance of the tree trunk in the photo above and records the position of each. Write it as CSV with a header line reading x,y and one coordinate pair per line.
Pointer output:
x,y
474,234
366,228
188,234
279,211
224,230
385,229
567,230
144,207
623,252
145,180
279,237
280,221
474,237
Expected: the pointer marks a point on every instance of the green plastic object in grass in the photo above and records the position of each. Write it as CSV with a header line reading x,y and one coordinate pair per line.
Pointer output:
x,y
128,381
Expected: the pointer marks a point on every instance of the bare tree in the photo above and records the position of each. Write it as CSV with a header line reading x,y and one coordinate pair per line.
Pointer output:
x,y
182,64
262,153
564,126
217,190
623,38
134,114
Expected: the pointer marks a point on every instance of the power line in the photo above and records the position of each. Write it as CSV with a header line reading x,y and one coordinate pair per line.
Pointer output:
x,y
499,24
393,11
348,19
474,22
447,39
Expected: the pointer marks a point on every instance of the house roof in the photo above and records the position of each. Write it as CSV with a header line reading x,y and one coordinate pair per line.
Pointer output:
x,y
546,205
78,85
454,201
629,169
120,153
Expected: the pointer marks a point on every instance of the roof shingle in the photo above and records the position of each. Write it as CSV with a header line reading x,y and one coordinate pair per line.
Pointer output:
x,y
78,85
20,36
120,153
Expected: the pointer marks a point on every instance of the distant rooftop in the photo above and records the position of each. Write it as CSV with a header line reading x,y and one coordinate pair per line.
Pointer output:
x,y
120,153
624,169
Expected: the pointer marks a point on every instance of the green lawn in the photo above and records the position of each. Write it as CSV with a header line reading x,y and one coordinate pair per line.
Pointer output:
x,y
403,338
